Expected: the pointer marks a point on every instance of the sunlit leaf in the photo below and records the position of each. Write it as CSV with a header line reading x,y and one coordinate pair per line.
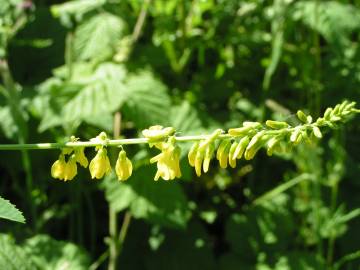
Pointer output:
x,y
10,212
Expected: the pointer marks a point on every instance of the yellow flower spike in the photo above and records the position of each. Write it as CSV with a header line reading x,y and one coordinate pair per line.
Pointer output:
x,y
271,145
156,133
192,153
254,145
208,156
221,147
232,160
176,161
168,161
123,167
240,149
222,153
317,132
223,156
70,168
67,151
80,157
198,161
276,124
58,168
100,164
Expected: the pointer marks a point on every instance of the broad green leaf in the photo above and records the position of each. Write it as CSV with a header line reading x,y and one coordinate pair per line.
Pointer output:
x,y
282,188
180,248
160,202
147,100
96,38
86,97
104,94
12,256
334,20
74,9
50,254
185,119
277,29
7,123
90,96
10,212
266,228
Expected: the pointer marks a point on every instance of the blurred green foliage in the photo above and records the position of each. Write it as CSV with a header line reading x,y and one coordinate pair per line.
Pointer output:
x,y
68,66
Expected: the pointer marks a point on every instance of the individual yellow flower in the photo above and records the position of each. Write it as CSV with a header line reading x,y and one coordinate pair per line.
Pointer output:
x,y
58,168
70,169
80,157
100,164
168,162
123,166
64,170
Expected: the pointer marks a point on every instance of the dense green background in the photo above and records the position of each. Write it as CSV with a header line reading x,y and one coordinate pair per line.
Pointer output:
x,y
196,65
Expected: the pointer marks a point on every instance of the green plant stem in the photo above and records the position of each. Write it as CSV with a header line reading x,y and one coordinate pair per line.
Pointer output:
x,y
120,142
113,246
330,251
69,53
113,251
14,102
124,229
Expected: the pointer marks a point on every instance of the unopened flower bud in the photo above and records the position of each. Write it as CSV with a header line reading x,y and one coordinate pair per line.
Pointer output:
x,y
123,167
100,164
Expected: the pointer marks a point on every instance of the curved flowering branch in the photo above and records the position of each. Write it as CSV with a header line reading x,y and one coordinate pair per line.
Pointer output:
x,y
236,143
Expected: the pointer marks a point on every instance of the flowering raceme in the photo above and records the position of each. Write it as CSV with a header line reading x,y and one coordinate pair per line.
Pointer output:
x,y
240,142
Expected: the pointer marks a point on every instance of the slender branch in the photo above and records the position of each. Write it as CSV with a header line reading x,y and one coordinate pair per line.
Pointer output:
x,y
119,142
45,146
140,21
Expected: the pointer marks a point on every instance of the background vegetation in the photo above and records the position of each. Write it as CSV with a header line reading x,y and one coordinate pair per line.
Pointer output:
x,y
77,67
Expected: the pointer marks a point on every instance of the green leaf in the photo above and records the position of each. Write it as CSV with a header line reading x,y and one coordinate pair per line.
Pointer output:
x,y
264,228
13,257
7,123
334,20
74,9
89,96
277,29
163,203
97,37
10,212
47,253
148,102
185,118
179,249
104,94
86,97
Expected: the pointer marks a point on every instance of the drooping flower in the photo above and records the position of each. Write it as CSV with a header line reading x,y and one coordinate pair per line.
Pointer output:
x,y
80,157
70,168
58,168
64,170
100,164
168,161
123,166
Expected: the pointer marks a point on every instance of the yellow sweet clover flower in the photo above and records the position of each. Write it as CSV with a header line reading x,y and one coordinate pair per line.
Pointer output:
x,y
58,168
64,170
123,167
155,135
168,161
70,169
80,157
100,164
